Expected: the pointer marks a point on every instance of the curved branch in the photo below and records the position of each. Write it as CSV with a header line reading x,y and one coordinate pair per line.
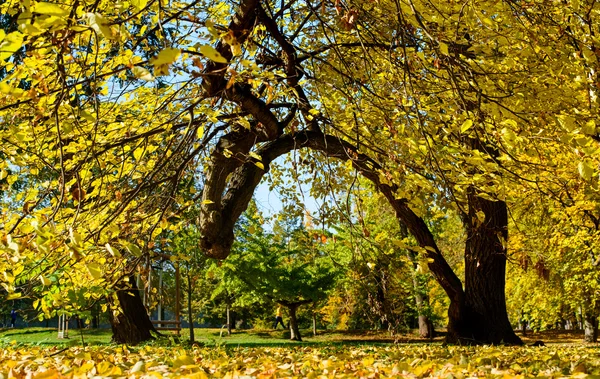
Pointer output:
x,y
217,230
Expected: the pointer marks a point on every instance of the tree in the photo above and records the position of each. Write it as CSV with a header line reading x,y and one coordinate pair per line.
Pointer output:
x,y
286,266
419,103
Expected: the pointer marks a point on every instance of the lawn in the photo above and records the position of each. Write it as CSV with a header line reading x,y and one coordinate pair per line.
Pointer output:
x,y
249,338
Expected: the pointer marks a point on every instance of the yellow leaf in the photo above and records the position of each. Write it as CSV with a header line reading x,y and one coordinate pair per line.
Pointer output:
x,y
138,367
45,281
95,270
199,133
75,237
48,374
50,9
166,56
212,54
139,4
255,156
184,360
14,295
207,202
10,44
443,48
111,251
97,22
138,153
142,73
466,126
585,170
236,49
260,165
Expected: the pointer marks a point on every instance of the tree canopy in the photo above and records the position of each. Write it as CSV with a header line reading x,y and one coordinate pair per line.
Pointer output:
x,y
117,118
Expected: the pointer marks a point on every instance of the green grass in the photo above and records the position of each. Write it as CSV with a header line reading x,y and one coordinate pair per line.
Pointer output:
x,y
204,336
49,336
248,338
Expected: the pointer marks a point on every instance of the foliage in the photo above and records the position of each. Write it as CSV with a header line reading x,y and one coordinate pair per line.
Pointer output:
x,y
286,265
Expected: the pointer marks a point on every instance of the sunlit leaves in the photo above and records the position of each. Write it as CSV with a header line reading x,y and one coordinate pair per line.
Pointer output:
x,y
49,9
212,54
9,44
142,73
585,170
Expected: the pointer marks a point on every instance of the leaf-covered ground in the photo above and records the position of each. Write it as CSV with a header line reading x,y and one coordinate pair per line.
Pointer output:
x,y
412,361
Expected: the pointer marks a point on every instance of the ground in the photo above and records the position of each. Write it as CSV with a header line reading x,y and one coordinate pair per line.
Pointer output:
x,y
36,353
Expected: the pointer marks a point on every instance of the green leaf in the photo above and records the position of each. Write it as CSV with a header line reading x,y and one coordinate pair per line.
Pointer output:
x,y
212,54
50,9
466,126
134,249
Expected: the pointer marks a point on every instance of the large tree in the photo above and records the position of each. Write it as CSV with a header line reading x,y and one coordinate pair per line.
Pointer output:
x,y
449,101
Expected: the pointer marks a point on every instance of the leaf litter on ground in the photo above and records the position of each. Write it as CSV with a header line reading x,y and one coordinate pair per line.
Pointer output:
x,y
410,361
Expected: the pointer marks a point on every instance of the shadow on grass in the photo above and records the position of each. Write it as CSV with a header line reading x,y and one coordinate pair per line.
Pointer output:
x,y
16,331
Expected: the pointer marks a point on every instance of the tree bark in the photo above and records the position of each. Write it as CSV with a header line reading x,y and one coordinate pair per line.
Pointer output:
x,y
228,318
481,316
294,329
189,303
132,325
426,329
314,316
590,327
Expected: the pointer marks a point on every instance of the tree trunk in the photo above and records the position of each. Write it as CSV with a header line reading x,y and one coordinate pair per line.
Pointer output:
x,y
590,327
425,325
480,316
228,318
294,329
190,312
132,325
314,320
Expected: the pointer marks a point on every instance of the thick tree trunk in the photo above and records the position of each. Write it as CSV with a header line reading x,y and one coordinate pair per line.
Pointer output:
x,y
480,316
294,329
190,311
132,325
590,327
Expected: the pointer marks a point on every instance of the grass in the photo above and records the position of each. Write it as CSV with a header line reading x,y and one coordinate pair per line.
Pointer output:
x,y
253,338
205,336
49,336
